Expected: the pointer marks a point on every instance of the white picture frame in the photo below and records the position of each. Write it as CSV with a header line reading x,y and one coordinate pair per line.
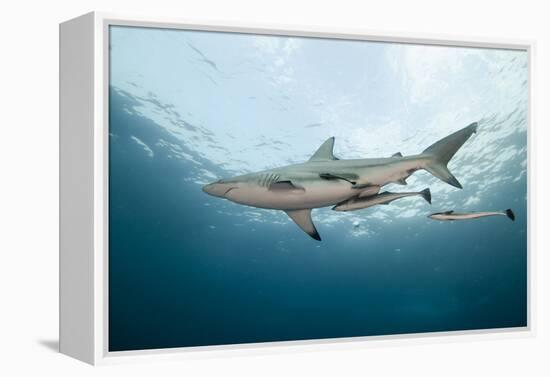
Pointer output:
x,y
84,187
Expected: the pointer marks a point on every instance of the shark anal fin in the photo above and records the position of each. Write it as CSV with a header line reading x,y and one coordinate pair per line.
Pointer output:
x,y
302,218
287,186
324,153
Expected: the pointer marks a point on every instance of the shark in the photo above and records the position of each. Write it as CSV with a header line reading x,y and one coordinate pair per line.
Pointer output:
x,y
325,180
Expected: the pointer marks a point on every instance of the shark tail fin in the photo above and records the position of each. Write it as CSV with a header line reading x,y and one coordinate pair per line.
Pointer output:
x,y
427,195
441,152
510,214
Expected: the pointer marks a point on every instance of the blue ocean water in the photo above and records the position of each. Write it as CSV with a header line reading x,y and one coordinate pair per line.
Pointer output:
x,y
188,269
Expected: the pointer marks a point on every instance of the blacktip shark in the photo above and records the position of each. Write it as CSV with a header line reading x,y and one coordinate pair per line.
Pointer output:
x,y
452,215
382,198
325,180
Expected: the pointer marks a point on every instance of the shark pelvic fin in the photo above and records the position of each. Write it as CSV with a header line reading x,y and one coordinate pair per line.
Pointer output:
x,y
325,151
302,218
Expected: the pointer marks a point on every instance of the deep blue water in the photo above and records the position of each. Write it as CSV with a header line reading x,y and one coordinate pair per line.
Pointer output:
x,y
184,273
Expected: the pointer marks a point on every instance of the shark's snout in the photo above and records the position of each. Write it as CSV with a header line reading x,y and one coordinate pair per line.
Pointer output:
x,y
219,188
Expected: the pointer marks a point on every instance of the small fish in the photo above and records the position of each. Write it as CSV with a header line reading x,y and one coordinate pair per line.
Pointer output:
x,y
452,215
382,198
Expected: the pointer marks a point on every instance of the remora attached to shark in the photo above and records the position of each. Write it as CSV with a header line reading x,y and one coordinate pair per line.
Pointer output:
x,y
382,198
325,180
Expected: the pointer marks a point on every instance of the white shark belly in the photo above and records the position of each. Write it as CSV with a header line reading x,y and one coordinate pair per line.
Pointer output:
x,y
384,174
312,195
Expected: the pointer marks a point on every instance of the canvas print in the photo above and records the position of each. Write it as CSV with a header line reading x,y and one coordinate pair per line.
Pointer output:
x,y
268,188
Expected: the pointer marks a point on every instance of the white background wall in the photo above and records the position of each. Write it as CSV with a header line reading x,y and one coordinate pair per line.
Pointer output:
x,y
29,184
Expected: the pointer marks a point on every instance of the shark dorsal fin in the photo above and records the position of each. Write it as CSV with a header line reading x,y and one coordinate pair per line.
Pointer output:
x,y
324,153
398,154
448,212
302,218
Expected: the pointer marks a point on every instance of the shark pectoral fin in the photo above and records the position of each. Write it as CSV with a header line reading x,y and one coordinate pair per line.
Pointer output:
x,y
286,186
324,153
302,218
